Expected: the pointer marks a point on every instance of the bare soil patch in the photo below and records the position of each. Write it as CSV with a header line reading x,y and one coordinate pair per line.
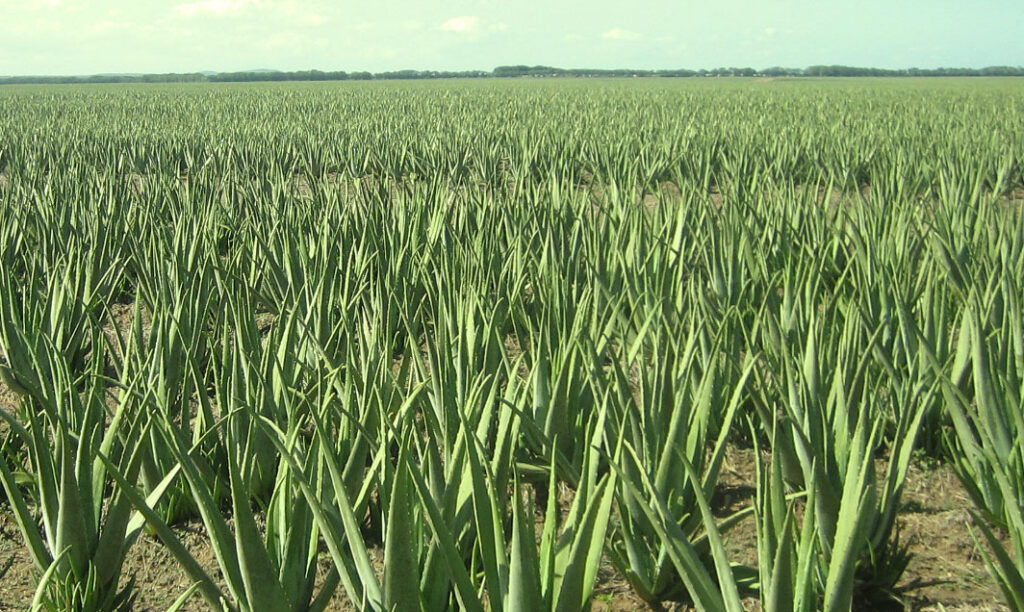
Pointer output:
x,y
1014,199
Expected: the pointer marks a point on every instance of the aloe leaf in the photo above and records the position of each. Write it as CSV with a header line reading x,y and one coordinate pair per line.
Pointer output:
x,y
211,592
259,577
401,563
699,583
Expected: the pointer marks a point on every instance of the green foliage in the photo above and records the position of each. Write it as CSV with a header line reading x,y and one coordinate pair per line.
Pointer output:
x,y
475,340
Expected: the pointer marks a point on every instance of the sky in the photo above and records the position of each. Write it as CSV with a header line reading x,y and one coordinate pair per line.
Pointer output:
x,y
58,37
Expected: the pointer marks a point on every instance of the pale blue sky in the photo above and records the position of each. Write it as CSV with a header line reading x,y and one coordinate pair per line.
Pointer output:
x,y
97,36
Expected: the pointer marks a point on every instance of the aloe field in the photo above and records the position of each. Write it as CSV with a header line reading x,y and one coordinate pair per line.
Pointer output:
x,y
513,345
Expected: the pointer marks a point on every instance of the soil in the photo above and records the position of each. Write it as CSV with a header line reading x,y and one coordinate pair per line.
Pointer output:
x,y
1014,199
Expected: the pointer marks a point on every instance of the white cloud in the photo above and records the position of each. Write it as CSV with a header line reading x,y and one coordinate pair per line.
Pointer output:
x,y
104,26
217,7
461,24
292,43
34,5
29,5
621,34
312,19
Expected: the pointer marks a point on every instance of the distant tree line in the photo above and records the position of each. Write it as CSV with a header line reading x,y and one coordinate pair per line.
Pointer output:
x,y
341,75
851,71
187,77
513,72
548,71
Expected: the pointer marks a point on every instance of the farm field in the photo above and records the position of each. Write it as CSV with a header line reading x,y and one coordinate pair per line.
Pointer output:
x,y
513,345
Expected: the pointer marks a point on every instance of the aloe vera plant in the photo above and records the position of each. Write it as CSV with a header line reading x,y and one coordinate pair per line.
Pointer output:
x,y
464,363
77,536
